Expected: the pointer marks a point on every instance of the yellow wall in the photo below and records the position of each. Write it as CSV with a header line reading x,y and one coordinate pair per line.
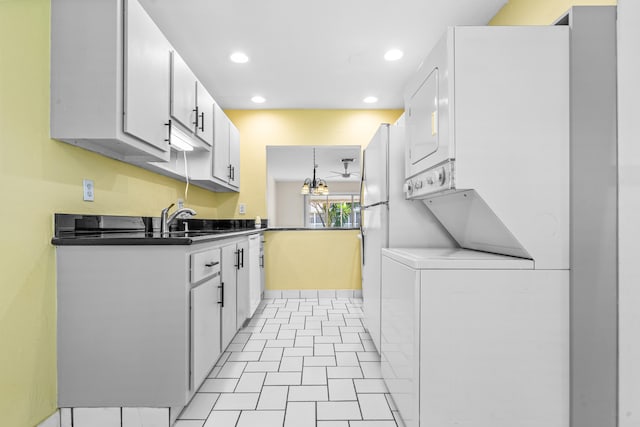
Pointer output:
x,y
301,249
312,259
260,128
539,12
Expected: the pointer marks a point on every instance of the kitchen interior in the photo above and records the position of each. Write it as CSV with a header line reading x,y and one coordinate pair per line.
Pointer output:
x,y
458,248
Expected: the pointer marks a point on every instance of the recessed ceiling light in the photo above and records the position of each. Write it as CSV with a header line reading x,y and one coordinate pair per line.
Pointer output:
x,y
239,57
393,55
258,99
370,100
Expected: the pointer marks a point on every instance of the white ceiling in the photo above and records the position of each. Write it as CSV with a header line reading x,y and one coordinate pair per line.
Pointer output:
x,y
309,54
295,163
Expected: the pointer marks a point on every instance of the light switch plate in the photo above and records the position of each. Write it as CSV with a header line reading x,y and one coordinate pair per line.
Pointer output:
x,y
88,190
242,208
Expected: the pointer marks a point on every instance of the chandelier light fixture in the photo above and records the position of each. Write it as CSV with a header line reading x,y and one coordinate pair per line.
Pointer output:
x,y
316,187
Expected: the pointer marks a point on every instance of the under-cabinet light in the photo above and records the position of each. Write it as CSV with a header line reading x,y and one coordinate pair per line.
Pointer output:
x,y
180,141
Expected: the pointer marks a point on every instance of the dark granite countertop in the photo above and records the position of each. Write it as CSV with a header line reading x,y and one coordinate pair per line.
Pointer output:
x,y
101,230
311,229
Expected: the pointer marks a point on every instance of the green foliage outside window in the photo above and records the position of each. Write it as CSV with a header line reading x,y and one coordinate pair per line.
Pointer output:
x,y
333,211
339,214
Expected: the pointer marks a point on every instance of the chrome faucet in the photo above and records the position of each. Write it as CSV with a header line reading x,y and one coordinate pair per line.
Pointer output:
x,y
166,220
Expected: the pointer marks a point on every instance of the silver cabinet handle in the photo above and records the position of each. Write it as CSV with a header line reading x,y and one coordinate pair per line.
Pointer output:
x,y
212,264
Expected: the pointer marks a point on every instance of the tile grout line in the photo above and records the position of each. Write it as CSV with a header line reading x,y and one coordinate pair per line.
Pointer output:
x,y
314,315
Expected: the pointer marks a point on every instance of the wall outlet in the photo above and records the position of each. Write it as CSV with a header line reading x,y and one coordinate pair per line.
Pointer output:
x,y
88,190
242,208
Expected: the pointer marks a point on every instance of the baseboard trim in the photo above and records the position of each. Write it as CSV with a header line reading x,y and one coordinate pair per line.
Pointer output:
x,y
312,293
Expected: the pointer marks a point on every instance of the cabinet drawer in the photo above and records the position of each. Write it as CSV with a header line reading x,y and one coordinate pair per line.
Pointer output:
x,y
205,264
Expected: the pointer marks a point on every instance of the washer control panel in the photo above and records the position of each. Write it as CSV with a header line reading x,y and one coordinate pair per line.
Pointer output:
x,y
439,178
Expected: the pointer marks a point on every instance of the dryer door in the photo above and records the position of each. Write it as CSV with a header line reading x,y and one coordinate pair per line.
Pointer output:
x,y
422,119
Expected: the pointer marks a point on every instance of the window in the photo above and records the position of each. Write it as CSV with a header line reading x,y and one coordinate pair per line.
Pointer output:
x,y
332,211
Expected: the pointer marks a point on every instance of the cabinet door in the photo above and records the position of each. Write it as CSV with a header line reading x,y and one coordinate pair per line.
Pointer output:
x,y
243,283
146,78
253,262
262,273
228,270
221,166
205,114
234,155
205,330
183,92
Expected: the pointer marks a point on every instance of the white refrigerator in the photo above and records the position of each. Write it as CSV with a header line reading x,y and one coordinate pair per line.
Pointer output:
x,y
388,220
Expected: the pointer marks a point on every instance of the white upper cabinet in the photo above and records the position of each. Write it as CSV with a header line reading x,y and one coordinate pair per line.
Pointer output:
x,y
109,80
122,90
183,92
146,77
191,104
219,169
221,165
204,109
234,155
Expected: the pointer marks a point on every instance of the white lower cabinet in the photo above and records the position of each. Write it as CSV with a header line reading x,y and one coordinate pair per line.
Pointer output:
x,y
147,323
242,283
229,293
236,259
476,347
263,279
255,274
205,317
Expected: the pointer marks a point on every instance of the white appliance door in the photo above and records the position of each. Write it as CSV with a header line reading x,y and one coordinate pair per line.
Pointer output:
x,y
423,119
374,238
428,104
374,184
400,338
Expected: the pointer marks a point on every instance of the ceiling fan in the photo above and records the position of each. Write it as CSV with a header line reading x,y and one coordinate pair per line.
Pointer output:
x,y
346,173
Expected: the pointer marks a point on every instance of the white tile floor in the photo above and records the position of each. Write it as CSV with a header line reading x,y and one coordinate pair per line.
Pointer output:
x,y
298,363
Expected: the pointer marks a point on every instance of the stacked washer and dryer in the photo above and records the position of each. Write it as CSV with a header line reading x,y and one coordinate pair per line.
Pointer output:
x,y
479,335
